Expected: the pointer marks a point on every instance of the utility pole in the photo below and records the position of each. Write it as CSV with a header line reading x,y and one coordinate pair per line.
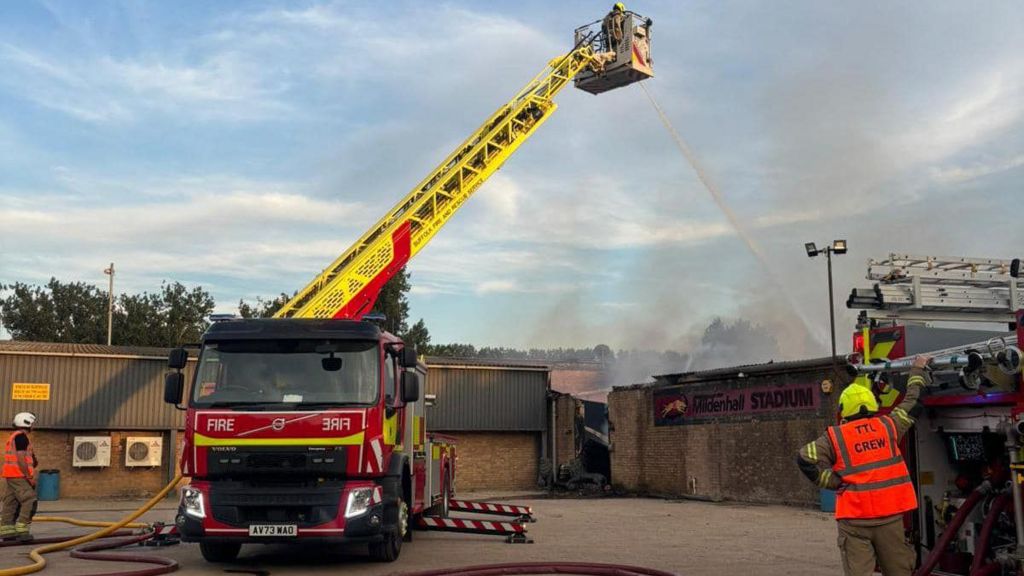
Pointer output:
x,y
110,304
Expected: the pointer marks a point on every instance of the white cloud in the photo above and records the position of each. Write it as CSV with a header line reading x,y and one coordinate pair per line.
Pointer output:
x,y
976,170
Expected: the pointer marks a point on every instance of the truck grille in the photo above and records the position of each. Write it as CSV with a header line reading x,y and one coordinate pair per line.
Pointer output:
x,y
285,461
304,507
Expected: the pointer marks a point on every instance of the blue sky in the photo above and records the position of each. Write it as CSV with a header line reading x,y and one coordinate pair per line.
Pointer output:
x,y
242,146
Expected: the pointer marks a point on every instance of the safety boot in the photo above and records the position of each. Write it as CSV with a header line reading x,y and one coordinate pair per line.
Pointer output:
x,y
7,532
21,532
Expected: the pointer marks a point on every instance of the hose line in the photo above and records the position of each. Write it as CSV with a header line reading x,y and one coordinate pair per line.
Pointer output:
x,y
39,562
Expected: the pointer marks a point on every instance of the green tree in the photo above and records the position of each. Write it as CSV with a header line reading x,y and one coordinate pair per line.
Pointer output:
x,y
174,316
393,303
184,313
263,308
73,312
76,312
136,320
418,336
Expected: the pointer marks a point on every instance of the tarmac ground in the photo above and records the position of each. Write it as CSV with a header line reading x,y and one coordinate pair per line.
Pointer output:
x,y
684,537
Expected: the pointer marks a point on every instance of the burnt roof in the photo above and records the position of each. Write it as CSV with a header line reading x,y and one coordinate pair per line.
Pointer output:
x,y
267,328
742,371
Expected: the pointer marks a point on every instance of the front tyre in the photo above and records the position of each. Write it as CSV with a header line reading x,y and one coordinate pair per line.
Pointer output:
x,y
390,547
220,551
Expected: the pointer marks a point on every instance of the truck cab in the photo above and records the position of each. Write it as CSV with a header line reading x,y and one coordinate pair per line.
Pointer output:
x,y
305,429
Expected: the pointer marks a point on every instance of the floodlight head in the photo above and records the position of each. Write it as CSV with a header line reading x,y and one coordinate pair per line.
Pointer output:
x,y
812,250
839,246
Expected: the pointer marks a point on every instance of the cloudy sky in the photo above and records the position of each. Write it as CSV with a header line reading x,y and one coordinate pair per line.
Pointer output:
x,y
243,146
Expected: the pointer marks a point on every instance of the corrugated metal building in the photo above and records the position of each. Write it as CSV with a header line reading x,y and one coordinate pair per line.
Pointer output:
x,y
498,411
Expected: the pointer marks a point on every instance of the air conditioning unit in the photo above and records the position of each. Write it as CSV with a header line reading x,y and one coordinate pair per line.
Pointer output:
x,y
91,452
143,451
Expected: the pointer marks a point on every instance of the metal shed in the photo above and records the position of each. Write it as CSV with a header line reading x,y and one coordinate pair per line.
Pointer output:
x,y
91,387
95,387
486,395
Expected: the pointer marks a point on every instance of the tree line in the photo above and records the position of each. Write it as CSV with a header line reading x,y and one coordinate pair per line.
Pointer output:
x,y
76,312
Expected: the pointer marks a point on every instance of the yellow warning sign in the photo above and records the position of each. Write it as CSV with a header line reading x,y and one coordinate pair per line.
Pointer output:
x,y
30,391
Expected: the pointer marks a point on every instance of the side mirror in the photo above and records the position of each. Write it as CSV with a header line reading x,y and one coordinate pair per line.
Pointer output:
x,y
174,384
410,387
408,357
177,358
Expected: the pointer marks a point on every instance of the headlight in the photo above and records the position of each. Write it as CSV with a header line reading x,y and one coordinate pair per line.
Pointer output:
x,y
192,500
359,501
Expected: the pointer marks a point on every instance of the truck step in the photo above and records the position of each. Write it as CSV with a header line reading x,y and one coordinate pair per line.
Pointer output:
x,y
524,513
514,532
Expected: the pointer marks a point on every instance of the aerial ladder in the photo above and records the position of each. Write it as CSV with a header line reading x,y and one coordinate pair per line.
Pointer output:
x,y
349,287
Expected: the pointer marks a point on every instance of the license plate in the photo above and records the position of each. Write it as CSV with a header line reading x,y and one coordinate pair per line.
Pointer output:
x,y
272,530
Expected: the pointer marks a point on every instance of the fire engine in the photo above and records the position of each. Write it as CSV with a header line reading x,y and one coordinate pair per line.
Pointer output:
x,y
964,453
312,426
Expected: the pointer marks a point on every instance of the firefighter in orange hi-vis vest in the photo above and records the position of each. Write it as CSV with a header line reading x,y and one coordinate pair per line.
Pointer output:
x,y
860,459
19,503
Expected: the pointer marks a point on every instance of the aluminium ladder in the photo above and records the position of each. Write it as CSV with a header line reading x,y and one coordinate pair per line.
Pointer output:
x,y
931,288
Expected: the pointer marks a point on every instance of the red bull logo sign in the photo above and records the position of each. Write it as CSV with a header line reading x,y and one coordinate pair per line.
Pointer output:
x,y
686,405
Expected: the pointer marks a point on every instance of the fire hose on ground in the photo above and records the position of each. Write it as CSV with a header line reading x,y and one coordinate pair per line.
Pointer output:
x,y
531,568
91,552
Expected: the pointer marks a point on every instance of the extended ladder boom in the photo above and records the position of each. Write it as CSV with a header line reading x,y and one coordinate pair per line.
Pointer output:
x,y
349,287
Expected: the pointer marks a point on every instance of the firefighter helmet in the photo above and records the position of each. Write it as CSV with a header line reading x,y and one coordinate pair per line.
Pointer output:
x,y
857,400
619,6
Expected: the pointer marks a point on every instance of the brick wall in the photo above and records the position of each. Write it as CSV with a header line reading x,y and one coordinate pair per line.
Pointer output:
x,y
487,461
55,448
749,461
497,460
565,433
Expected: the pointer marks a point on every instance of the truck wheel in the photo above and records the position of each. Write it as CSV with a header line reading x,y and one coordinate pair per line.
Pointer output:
x,y
446,496
389,549
404,527
219,551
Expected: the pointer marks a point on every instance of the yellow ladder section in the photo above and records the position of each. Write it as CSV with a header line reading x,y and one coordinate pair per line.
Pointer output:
x,y
349,286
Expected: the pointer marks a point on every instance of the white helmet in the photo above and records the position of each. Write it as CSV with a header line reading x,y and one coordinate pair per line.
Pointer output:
x,y
24,420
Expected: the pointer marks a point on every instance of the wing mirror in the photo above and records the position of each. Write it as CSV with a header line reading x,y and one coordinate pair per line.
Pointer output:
x,y
410,387
407,357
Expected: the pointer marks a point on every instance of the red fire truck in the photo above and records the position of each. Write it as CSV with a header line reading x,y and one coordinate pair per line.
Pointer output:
x,y
311,425
964,453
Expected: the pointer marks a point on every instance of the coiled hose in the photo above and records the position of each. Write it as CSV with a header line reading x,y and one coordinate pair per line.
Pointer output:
x,y
523,568
39,562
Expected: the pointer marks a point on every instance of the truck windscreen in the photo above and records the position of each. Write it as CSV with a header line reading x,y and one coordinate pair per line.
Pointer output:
x,y
292,372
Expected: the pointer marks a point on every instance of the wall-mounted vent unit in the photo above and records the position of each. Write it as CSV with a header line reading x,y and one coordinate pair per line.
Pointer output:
x,y
91,452
143,451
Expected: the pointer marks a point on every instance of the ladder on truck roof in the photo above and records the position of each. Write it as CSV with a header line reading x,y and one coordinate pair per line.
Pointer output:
x,y
932,288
